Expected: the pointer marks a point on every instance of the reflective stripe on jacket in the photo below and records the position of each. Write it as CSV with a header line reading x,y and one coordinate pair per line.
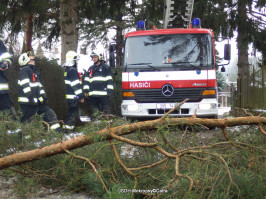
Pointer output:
x,y
4,57
98,81
30,88
73,85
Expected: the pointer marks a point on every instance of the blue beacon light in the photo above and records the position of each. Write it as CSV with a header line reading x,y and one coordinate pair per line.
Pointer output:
x,y
196,23
140,25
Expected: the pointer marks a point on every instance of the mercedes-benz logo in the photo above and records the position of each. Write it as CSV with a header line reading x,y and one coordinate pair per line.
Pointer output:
x,y
167,90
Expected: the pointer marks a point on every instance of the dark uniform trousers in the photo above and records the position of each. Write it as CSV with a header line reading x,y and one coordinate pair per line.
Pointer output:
x,y
100,104
7,105
6,102
72,114
42,109
74,94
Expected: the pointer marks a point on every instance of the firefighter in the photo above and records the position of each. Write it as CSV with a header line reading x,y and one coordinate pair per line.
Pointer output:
x,y
74,92
98,85
5,62
31,95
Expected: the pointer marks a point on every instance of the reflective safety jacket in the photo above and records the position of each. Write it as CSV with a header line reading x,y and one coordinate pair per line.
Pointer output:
x,y
4,88
30,88
73,85
98,81
4,57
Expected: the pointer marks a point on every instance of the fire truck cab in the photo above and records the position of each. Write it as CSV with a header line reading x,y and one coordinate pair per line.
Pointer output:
x,y
163,67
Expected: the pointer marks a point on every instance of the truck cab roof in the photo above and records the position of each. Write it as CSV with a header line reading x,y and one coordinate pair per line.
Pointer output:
x,y
170,31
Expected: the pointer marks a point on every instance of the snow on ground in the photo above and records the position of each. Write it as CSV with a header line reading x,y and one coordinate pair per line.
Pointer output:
x,y
85,119
223,110
72,135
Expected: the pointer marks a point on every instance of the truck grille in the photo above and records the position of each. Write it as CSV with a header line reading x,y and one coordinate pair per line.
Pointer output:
x,y
155,95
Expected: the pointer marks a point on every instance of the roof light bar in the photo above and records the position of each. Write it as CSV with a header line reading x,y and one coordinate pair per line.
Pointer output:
x,y
140,25
196,23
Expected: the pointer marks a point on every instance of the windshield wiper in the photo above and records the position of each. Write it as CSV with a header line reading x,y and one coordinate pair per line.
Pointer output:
x,y
140,64
146,64
187,64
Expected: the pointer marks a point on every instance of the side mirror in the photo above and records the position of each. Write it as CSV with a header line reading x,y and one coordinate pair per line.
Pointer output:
x,y
223,69
227,51
112,55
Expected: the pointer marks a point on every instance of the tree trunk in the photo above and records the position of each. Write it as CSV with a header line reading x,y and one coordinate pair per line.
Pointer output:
x,y
19,158
119,40
242,41
68,24
29,32
119,35
242,45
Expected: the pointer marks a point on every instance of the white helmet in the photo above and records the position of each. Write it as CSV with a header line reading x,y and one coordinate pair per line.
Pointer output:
x,y
100,55
23,59
71,56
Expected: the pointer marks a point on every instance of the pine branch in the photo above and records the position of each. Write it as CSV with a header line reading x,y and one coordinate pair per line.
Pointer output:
x,y
260,21
91,164
231,8
252,11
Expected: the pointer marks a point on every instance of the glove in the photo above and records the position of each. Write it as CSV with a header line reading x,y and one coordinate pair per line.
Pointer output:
x,y
3,66
45,100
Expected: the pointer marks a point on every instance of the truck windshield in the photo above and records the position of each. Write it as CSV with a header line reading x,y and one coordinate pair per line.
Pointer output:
x,y
172,52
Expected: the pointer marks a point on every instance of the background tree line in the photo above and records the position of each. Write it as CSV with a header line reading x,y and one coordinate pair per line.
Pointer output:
x,y
71,21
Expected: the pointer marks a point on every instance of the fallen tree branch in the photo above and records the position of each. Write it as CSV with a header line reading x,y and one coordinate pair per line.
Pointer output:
x,y
261,129
19,158
227,169
177,173
123,165
173,109
185,151
148,166
225,134
166,141
135,143
92,165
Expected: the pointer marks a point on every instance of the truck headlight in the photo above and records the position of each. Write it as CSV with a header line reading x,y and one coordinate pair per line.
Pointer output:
x,y
207,106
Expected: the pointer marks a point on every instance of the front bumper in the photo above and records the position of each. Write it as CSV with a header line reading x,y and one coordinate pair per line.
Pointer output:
x,y
204,108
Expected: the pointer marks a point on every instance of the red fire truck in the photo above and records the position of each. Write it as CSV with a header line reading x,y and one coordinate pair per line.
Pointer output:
x,y
163,67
